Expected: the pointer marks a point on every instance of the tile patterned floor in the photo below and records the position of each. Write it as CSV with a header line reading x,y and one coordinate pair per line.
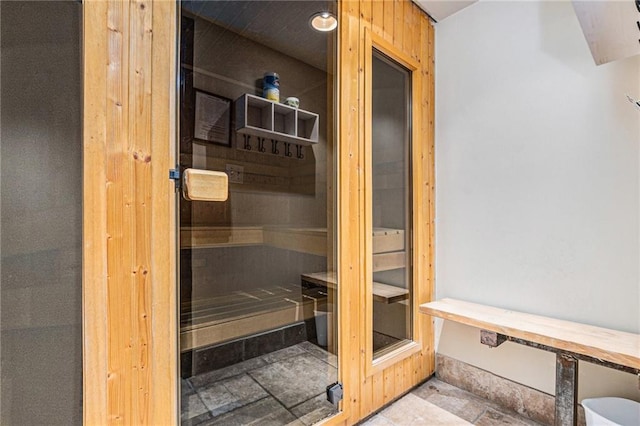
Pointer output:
x,y
287,387
436,403
283,387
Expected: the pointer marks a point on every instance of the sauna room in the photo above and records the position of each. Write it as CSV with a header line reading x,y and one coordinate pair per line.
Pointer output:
x,y
233,243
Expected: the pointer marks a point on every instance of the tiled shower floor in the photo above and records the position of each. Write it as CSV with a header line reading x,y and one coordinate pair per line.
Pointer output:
x,y
286,386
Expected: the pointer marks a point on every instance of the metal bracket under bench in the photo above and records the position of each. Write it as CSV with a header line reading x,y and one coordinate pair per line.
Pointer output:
x,y
570,341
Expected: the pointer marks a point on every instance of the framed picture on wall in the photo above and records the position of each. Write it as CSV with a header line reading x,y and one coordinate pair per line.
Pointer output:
x,y
212,118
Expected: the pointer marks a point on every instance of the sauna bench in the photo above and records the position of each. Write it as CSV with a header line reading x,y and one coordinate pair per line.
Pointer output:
x,y
383,293
570,341
388,244
213,320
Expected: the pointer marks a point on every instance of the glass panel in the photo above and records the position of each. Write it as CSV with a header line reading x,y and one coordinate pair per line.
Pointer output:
x,y
391,199
41,213
258,304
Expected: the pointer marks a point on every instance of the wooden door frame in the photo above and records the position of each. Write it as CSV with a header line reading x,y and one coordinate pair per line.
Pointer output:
x,y
371,42
399,27
129,232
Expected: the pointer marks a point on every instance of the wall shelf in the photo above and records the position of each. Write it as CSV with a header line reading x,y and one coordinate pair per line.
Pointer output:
x,y
256,116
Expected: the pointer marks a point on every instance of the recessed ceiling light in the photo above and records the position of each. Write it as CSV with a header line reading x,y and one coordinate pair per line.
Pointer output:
x,y
323,21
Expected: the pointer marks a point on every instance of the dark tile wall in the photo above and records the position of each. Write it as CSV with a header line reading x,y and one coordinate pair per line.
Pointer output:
x,y
203,360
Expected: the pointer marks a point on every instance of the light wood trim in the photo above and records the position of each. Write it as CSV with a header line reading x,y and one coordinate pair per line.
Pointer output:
x,y
94,253
138,145
387,261
349,163
395,53
609,345
220,236
375,388
163,407
121,406
129,333
369,265
395,356
426,292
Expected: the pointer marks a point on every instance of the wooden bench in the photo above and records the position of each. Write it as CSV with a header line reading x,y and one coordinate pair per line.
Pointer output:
x,y
570,342
383,293
212,320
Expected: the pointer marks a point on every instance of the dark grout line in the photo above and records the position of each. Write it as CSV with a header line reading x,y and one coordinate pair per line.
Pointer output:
x,y
306,400
479,416
269,394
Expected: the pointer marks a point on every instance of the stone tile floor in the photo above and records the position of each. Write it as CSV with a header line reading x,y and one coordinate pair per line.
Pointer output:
x,y
436,403
287,387
283,387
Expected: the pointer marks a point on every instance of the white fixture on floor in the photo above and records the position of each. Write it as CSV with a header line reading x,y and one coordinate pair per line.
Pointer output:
x,y
611,412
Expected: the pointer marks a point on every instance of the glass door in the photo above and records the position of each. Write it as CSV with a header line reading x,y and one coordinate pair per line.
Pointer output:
x,y
258,335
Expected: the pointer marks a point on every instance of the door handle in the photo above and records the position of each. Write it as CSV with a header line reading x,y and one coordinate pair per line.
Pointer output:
x,y
205,185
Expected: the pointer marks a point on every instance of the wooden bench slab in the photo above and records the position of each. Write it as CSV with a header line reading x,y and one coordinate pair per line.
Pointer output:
x,y
213,320
384,293
617,347
386,241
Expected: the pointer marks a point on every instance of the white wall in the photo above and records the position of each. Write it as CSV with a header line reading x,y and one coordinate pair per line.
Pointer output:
x,y
537,182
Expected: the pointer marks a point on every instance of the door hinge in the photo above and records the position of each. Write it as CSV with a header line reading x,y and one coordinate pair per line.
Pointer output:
x,y
174,174
335,393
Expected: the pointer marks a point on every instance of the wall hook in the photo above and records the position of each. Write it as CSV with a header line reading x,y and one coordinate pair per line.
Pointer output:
x,y
261,147
274,147
287,149
299,152
247,142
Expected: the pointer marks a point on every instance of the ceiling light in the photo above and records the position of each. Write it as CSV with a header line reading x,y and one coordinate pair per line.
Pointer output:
x,y
323,21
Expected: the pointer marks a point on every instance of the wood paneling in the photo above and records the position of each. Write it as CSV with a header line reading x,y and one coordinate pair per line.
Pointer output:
x,y
94,215
400,28
163,392
129,231
348,151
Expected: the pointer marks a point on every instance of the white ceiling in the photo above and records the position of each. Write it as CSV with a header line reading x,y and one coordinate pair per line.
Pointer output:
x,y
440,9
610,27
